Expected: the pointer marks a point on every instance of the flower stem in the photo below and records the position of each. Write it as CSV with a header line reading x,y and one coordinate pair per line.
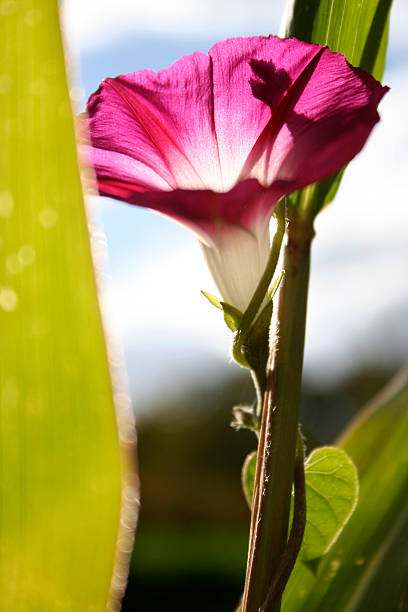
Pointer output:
x,y
279,429
272,602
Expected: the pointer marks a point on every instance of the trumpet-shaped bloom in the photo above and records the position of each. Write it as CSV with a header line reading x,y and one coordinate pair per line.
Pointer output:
x,y
215,141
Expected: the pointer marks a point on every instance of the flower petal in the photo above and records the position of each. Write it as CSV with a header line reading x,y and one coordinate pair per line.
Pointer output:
x,y
206,213
321,124
215,141
163,121
240,111
237,263
284,112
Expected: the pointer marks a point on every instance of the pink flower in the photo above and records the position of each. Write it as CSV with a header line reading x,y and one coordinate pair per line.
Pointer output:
x,y
216,140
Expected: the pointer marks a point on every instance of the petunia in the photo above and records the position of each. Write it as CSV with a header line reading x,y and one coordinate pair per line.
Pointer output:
x,y
215,141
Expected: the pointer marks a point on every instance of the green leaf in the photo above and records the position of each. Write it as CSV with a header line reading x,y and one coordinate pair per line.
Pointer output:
x,y
367,566
60,463
377,422
331,496
248,476
359,30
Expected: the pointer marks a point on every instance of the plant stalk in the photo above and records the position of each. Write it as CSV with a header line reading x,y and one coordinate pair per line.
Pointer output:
x,y
279,429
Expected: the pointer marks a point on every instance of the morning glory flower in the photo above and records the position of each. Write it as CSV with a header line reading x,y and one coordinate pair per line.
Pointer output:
x,y
215,141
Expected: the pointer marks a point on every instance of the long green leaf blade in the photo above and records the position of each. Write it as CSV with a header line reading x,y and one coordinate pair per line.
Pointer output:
x,y
366,568
59,457
358,30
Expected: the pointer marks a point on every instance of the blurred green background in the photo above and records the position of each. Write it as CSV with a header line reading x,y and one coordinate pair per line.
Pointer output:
x,y
191,541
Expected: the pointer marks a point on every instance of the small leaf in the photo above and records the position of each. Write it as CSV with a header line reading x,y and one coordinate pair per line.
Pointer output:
x,y
232,316
248,476
275,285
331,496
212,299
245,417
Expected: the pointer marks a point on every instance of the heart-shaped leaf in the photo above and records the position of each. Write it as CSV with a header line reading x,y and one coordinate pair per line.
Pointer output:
x,y
331,496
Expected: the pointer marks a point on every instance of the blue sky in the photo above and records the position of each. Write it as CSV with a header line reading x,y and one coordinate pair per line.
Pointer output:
x,y
358,292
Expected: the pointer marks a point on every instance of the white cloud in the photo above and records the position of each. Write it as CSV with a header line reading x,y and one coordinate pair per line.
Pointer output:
x,y
93,23
161,298
96,23
360,254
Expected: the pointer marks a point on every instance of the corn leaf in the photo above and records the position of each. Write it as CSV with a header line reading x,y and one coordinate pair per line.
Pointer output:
x,y
359,30
366,568
59,457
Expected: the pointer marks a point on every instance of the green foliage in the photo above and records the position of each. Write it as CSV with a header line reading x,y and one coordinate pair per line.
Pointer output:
x,y
367,566
248,476
60,476
359,30
331,496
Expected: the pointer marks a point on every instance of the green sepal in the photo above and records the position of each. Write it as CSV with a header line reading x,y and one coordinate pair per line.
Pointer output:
x,y
212,299
317,196
256,344
275,285
232,316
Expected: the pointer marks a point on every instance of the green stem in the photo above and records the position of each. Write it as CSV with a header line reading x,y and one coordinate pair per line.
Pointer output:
x,y
272,602
278,435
